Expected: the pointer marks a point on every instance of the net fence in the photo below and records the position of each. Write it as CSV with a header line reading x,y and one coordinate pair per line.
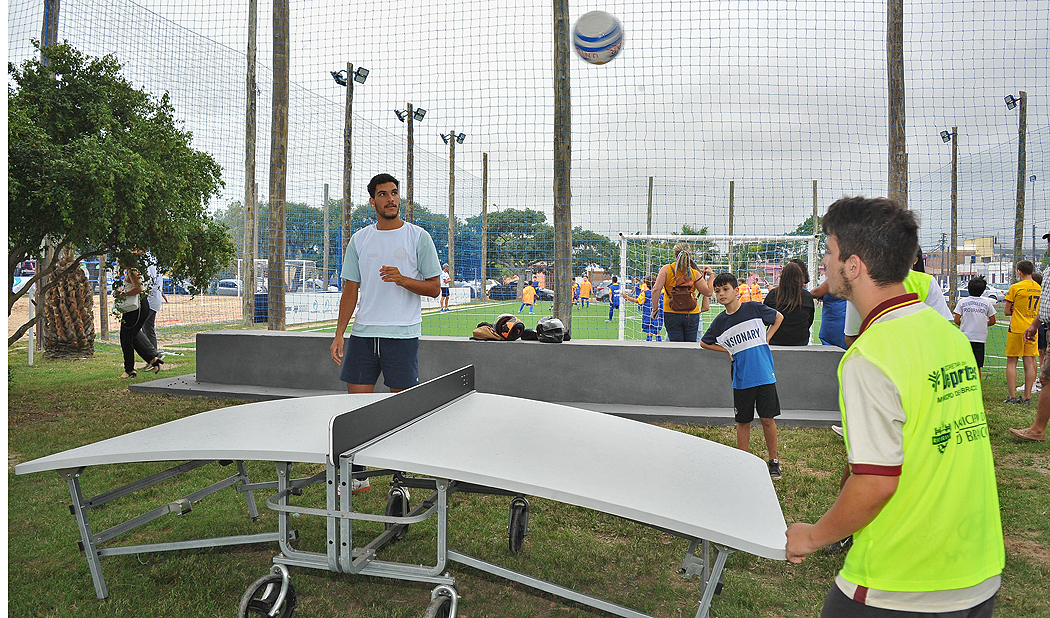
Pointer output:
x,y
715,118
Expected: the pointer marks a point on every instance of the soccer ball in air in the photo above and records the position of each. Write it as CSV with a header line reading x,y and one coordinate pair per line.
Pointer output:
x,y
598,37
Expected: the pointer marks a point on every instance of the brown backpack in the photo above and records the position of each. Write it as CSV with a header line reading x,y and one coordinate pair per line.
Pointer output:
x,y
682,299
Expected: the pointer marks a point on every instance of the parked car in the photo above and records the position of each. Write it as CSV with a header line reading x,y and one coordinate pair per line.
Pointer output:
x,y
504,291
315,285
171,286
990,292
26,269
228,287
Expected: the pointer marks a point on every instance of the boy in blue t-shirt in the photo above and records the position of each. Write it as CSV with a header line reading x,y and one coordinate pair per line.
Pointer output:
x,y
740,331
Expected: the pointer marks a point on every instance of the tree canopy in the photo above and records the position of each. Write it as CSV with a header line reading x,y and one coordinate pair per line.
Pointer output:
x,y
97,166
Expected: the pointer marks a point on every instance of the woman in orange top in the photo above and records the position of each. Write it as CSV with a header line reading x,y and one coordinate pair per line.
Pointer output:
x,y
682,326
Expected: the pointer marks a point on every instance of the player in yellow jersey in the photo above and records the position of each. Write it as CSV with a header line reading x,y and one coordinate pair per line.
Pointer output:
x,y
1022,306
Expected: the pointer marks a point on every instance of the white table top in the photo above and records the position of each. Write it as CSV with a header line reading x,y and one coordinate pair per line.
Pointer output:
x,y
657,476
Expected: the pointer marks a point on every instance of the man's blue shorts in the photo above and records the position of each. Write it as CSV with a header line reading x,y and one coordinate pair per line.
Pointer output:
x,y
366,357
444,291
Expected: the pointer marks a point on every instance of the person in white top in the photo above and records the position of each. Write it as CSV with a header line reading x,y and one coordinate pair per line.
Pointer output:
x,y
445,280
156,299
974,314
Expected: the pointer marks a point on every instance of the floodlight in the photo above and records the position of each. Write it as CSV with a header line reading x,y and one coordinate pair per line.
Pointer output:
x,y
460,138
339,77
1011,102
946,137
361,75
419,114
444,137
400,114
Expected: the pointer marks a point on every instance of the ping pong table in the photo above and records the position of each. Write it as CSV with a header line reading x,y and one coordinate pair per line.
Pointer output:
x,y
444,436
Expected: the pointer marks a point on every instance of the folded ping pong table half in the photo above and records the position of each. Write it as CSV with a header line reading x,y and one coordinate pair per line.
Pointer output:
x,y
709,493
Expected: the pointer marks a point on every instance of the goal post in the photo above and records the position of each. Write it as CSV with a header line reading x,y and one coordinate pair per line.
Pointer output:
x,y
763,256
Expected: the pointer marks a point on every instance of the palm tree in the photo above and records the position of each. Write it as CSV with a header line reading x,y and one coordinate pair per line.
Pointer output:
x,y
69,326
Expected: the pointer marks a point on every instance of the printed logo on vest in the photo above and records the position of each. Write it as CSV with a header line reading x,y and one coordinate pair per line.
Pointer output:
x,y
942,436
951,377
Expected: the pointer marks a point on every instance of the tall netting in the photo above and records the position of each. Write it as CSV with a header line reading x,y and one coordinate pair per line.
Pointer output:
x,y
720,118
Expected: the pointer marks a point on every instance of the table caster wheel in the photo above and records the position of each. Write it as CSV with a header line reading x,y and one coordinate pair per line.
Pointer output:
x,y
264,595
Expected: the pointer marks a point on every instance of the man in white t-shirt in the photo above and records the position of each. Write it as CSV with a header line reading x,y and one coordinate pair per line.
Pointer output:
x,y
446,279
974,314
387,266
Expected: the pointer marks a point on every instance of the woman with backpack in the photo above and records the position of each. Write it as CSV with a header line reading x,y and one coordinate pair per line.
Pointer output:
x,y
680,281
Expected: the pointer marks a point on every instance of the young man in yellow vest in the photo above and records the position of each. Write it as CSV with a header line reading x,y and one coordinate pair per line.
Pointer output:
x,y
919,493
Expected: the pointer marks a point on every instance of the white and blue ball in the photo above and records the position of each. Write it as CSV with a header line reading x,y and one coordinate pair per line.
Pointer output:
x,y
598,37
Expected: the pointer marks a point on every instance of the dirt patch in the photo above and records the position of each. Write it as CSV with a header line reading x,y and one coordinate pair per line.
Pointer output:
x,y
178,311
1040,462
802,468
1029,550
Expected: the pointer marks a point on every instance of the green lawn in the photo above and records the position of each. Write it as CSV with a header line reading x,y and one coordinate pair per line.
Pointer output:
x,y
55,405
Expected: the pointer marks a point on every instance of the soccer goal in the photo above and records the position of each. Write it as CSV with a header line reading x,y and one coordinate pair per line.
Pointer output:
x,y
758,258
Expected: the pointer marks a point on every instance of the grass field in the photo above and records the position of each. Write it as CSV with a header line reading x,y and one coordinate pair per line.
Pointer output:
x,y
55,405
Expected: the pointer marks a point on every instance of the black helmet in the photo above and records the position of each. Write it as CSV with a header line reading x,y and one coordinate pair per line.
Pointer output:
x,y
550,330
509,327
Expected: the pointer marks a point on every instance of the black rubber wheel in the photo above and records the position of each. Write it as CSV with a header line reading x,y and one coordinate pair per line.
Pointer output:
x,y
519,514
439,607
258,600
397,506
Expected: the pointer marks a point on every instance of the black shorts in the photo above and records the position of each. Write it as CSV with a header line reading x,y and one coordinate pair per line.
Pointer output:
x,y
764,398
1042,336
838,605
978,352
444,291
397,359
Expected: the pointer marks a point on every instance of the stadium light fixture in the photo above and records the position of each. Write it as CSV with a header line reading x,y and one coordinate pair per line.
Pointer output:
x,y
459,138
444,138
417,115
946,136
359,76
1011,101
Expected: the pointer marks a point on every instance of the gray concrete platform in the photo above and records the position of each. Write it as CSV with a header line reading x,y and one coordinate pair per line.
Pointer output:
x,y
666,382
188,386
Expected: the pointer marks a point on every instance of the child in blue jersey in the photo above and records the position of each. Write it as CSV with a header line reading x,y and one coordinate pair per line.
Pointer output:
x,y
614,298
741,333
651,324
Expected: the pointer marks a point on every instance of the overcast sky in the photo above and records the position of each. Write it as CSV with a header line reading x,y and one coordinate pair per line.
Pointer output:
x,y
770,95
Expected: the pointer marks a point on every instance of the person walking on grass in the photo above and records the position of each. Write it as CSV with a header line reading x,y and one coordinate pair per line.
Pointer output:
x,y
919,492
1036,432
528,297
1022,307
388,266
741,332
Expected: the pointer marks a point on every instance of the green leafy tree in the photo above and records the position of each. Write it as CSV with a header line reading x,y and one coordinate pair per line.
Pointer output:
x,y
97,166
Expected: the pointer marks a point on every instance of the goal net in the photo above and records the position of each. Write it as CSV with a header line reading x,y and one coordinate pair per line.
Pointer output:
x,y
753,258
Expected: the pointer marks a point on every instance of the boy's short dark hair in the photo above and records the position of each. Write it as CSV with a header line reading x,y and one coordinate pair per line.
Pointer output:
x,y
881,232
977,286
725,279
1025,267
381,179
614,279
1038,278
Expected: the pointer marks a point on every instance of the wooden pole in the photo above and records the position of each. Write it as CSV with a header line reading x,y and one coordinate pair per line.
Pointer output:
x,y
348,135
452,204
1022,130
409,168
484,222
324,260
279,164
954,251
103,295
898,151
250,205
649,231
732,254
562,166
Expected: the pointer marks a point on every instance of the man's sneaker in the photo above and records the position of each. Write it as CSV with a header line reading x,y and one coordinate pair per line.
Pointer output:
x,y
1025,401
774,469
837,429
1012,400
358,485
1038,386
